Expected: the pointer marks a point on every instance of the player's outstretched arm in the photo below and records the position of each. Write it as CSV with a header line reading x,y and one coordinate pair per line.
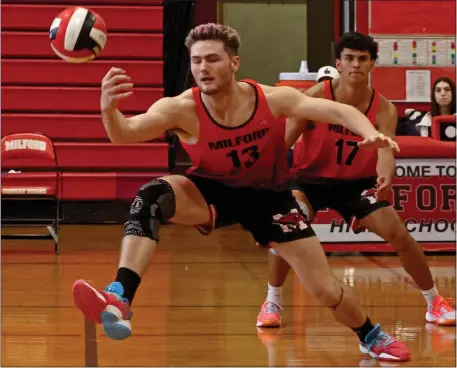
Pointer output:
x,y
159,118
386,120
301,108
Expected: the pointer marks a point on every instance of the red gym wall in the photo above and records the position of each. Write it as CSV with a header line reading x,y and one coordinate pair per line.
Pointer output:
x,y
417,19
41,93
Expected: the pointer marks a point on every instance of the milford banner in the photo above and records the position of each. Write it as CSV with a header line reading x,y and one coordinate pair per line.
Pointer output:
x,y
423,194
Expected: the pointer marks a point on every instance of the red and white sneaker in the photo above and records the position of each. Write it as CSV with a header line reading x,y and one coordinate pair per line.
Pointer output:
x,y
107,307
382,346
269,315
441,312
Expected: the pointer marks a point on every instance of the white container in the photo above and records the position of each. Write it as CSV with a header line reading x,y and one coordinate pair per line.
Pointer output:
x,y
297,76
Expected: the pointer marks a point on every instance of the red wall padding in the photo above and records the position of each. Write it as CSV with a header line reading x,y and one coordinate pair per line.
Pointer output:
x,y
391,81
105,186
40,17
419,17
42,93
59,72
118,46
107,155
362,9
70,99
84,186
424,147
93,156
57,126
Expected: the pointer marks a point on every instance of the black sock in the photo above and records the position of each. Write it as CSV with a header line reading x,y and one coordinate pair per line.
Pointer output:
x,y
130,281
364,330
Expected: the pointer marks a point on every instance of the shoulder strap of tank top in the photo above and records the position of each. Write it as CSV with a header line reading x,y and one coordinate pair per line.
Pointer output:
x,y
262,108
328,90
259,89
196,94
202,114
373,107
201,111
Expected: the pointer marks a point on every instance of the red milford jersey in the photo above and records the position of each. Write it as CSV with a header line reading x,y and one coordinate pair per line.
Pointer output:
x,y
253,154
330,151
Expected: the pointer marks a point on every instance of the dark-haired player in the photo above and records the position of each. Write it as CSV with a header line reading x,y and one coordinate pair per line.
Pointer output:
x,y
234,132
330,171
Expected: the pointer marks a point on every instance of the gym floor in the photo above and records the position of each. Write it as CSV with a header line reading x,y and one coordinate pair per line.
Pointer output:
x,y
198,303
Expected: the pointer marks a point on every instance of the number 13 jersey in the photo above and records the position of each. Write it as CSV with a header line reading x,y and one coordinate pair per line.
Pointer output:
x,y
251,155
330,151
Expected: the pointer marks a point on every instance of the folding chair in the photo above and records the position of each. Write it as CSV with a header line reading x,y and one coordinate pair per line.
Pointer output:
x,y
30,172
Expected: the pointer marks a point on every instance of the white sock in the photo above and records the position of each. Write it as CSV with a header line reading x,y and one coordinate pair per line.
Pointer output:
x,y
429,295
275,294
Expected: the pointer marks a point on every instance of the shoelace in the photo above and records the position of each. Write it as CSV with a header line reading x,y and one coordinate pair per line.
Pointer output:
x,y
272,307
112,290
382,339
445,307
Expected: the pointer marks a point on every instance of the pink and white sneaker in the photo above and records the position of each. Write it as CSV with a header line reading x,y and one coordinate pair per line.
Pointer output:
x,y
441,312
269,315
382,346
107,307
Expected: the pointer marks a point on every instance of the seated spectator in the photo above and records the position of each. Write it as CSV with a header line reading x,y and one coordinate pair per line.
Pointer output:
x,y
443,103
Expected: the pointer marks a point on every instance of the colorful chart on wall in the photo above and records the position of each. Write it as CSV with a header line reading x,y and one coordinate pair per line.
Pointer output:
x,y
413,36
401,51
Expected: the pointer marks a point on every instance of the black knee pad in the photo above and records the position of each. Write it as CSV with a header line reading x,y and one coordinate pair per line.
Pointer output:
x,y
154,204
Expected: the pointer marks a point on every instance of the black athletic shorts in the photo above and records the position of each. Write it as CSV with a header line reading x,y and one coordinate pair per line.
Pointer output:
x,y
349,198
270,216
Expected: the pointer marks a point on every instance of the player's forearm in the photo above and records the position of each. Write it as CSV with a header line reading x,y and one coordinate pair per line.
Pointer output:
x,y
355,121
116,126
386,162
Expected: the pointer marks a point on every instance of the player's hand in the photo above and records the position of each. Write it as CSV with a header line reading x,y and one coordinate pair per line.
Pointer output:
x,y
116,85
378,141
383,187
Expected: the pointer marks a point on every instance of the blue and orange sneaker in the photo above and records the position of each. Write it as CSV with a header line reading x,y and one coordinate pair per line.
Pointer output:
x,y
382,346
107,307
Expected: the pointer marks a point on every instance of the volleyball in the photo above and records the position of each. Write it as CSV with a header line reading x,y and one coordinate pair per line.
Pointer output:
x,y
78,35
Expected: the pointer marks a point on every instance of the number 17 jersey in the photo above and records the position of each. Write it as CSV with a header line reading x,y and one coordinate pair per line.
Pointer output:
x,y
328,151
252,155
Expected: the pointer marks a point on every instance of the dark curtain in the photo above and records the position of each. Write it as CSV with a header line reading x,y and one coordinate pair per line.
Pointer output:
x,y
351,15
177,22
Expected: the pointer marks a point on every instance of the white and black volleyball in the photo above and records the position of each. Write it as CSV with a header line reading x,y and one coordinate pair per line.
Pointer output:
x,y
78,35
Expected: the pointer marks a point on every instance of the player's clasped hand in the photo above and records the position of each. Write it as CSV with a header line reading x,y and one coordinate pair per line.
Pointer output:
x,y
383,187
378,141
116,85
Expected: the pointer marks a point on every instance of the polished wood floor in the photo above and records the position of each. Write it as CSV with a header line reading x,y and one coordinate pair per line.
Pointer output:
x,y
198,303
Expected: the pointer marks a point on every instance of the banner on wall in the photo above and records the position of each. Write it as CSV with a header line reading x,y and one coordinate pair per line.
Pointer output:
x,y
424,195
